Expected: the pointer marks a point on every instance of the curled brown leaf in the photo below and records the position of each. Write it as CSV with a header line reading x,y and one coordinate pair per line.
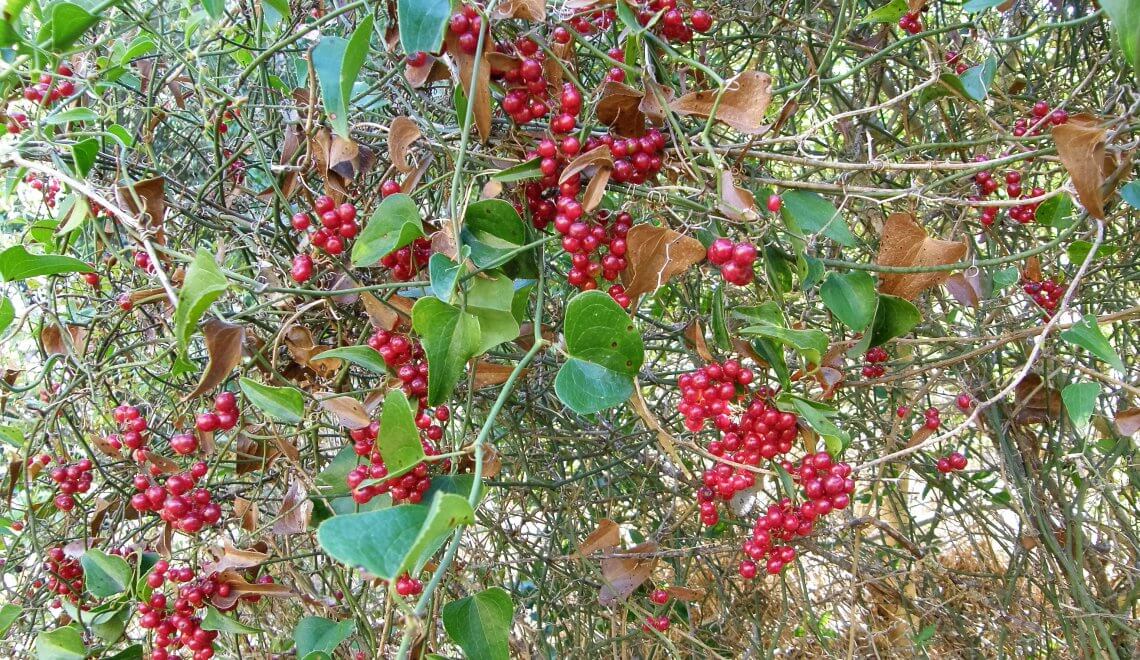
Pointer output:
x,y
656,254
224,346
905,243
606,536
348,411
620,108
296,510
1080,145
623,575
480,99
741,106
401,135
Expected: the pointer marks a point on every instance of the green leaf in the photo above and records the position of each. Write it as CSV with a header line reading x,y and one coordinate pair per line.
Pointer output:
x,y
490,300
275,11
442,273
281,404
394,224
492,229
1087,335
7,314
215,620
719,327
1078,251
332,477
376,541
12,436
73,212
816,416
204,283
83,155
977,79
1055,212
888,13
480,624
60,644
894,318
1130,193
422,24
8,615
530,169
1080,401
450,338
975,6
399,439
105,575
16,264
805,211
1006,277
361,356
851,298
337,62
1125,16
74,114
812,344
447,512
110,627
132,652
215,8
605,351
316,633
68,23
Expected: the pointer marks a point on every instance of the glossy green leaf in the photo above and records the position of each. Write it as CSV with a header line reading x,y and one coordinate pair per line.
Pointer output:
x,y
72,213
204,283
492,229
399,439
105,575
812,344
888,13
395,223
529,169
442,273
281,404
7,314
110,628
975,6
1005,278
215,620
132,652
450,338
977,79
1130,193
1078,251
1125,17
16,264
74,114
807,212
316,633
361,356
490,300
447,512
422,24
851,298
68,23
1088,336
816,415
480,624
83,156
894,317
8,615
1080,402
60,644
1055,212
605,350
337,62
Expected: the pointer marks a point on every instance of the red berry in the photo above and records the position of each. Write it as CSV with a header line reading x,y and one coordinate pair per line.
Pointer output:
x,y
720,251
701,21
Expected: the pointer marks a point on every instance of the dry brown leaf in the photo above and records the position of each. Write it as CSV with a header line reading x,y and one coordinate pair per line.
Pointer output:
x,y
104,446
564,57
695,337
347,410
246,511
296,511
401,134
147,201
650,104
382,316
249,454
786,111
403,305
915,5
1127,422
223,345
600,157
443,242
162,463
102,506
830,374
1032,270
686,594
291,179
668,443
735,202
144,296
905,243
413,180
230,557
656,254
240,587
1080,145
350,159
299,342
596,188
741,107
530,10
492,189
502,63
965,289
623,575
52,339
620,108
1036,401
418,76
287,449
488,374
480,100
606,536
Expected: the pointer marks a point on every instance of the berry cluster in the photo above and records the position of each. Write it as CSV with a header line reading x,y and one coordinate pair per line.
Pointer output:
x,y
987,185
525,99
465,26
660,623
70,479
932,419
177,501
48,90
175,624
875,358
338,224
674,25
407,261
236,169
368,481
735,260
65,574
1046,294
952,463
143,262
48,186
1041,113
134,426
911,22
405,356
407,585
636,160
708,391
223,417
954,59
587,22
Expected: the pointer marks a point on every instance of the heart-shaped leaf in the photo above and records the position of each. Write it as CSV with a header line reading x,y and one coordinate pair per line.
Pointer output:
x,y
605,351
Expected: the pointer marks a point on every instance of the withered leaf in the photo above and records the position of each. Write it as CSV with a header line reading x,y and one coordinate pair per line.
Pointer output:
x,y
1127,422
695,337
1080,145
382,316
685,594
600,157
620,108
489,373
664,438
623,575
966,289
296,510
655,255
607,535
239,587
905,243
348,411
146,200
223,345
401,134
531,10
54,344
246,511
741,107
651,105
431,71
596,188
1036,401
350,159
480,100
231,557
735,202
